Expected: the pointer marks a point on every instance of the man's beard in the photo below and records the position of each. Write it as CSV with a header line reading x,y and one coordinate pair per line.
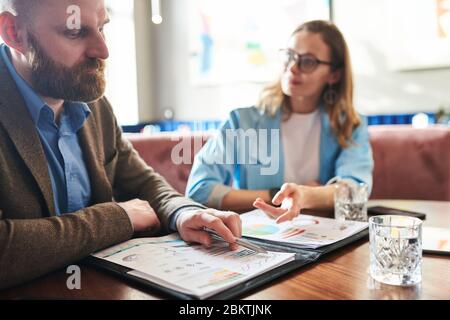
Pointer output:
x,y
78,83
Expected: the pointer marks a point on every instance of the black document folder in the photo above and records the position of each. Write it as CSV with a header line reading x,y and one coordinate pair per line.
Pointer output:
x,y
302,257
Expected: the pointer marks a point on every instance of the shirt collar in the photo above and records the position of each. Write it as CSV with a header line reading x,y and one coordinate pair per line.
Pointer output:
x,y
33,102
77,111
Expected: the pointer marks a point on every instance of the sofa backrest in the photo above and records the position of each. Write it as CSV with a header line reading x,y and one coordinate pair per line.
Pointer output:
x,y
409,163
170,154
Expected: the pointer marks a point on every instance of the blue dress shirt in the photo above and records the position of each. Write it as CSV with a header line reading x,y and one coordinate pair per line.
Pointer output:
x,y
68,173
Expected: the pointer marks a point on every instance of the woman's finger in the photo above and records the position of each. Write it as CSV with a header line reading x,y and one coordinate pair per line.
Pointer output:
x,y
271,211
289,215
286,191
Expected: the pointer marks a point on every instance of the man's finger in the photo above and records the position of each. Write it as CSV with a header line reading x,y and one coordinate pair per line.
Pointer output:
x,y
198,236
215,223
231,219
234,225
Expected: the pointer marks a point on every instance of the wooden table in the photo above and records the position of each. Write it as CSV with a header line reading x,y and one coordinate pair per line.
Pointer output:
x,y
343,274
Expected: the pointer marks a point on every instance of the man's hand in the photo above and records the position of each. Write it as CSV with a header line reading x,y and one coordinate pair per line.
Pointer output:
x,y
191,224
142,216
290,197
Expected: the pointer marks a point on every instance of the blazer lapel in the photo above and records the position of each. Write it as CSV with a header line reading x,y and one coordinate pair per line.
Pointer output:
x,y
17,122
95,158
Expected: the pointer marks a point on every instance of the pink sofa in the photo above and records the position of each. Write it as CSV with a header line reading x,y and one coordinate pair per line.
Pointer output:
x,y
409,163
157,151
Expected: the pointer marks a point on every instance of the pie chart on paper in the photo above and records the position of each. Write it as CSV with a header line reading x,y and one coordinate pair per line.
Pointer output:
x,y
260,229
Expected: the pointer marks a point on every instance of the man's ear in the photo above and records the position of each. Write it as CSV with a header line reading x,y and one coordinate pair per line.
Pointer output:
x,y
335,76
13,35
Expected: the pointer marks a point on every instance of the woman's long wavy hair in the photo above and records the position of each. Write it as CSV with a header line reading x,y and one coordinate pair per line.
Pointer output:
x,y
343,116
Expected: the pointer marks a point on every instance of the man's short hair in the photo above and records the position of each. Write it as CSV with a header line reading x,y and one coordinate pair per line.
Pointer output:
x,y
9,5
5,5
18,7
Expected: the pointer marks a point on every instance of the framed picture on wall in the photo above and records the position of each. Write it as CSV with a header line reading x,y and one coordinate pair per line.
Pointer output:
x,y
237,41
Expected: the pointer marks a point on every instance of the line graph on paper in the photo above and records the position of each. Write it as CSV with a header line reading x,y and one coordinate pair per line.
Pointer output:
x,y
134,243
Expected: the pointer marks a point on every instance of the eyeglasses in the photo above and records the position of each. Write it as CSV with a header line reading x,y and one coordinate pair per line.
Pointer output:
x,y
306,63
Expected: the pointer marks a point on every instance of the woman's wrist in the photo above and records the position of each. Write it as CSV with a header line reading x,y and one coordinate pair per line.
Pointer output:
x,y
306,195
316,197
272,193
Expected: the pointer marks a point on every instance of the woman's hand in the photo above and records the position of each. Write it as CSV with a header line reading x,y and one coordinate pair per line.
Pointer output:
x,y
313,184
290,197
293,198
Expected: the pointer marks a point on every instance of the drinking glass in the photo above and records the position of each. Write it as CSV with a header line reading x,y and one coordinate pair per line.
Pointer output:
x,y
396,249
350,200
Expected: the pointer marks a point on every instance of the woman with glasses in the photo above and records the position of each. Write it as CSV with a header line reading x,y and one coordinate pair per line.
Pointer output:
x,y
303,133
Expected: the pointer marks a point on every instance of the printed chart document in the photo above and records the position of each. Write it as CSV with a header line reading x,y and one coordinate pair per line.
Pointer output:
x,y
305,231
436,240
191,269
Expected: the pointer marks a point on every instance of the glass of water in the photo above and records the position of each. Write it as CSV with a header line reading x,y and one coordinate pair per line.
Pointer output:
x,y
350,200
396,249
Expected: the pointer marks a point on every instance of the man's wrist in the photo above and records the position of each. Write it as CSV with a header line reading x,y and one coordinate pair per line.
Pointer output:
x,y
173,223
182,214
126,213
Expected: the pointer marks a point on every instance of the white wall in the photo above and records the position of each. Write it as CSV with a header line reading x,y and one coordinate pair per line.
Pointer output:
x,y
172,88
366,24
121,72
146,77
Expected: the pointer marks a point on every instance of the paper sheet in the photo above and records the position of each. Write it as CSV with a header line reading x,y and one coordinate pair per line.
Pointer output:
x,y
436,239
304,231
192,269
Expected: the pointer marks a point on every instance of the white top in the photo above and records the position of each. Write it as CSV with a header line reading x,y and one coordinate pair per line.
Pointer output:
x,y
301,141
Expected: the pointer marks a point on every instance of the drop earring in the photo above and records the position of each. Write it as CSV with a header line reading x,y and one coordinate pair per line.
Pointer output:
x,y
330,95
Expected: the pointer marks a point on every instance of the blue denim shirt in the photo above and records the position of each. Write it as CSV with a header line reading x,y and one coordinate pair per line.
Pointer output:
x,y
212,178
68,173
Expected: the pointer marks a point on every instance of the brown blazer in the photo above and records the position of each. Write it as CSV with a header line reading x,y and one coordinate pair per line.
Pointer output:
x,y
33,240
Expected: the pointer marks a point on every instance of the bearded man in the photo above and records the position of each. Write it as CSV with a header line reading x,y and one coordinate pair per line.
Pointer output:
x,y
69,183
